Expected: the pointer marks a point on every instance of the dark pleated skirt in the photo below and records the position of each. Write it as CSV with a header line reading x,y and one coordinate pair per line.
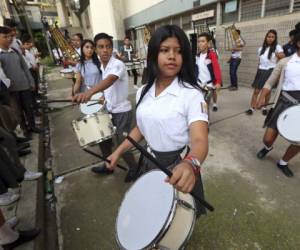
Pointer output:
x,y
281,105
261,77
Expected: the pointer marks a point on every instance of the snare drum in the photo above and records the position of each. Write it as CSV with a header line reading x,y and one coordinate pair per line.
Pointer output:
x,y
88,109
129,65
137,64
93,129
288,124
155,215
67,73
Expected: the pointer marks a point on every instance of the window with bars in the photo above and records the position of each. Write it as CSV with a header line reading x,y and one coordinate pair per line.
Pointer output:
x,y
176,20
230,11
277,7
187,22
297,5
251,9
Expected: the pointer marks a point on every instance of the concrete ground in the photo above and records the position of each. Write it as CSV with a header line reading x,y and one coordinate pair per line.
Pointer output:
x,y
256,206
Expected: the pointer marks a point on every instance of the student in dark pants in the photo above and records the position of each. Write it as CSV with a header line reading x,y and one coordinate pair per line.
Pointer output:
x,y
234,63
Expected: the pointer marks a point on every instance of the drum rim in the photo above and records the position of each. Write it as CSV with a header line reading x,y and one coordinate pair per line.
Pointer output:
x,y
277,123
166,225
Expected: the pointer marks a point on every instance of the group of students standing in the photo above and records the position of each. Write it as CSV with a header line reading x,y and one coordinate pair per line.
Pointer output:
x,y
19,81
279,68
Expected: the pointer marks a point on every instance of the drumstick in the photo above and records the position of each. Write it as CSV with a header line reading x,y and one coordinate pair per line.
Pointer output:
x,y
68,100
165,170
103,158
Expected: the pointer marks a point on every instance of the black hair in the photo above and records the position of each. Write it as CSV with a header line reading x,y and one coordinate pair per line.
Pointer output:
x,y
4,30
272,46
95,58
79,35
26,38
100,36
292,33
297,40
239,32
10,23
297,27
206,35
187,71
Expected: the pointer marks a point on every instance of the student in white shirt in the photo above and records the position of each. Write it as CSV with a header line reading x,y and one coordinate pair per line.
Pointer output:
x,y
114,84
287,75
268,54
171,112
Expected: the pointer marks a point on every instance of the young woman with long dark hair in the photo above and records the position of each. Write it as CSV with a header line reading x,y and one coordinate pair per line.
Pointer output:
x,y
269,54
171,112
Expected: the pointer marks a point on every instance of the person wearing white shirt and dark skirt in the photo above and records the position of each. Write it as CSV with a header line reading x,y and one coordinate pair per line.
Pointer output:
x,y
287,75
171,113
114,84
268,54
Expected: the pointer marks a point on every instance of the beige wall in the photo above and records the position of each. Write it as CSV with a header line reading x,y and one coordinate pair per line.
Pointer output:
x,y
132,7
105,17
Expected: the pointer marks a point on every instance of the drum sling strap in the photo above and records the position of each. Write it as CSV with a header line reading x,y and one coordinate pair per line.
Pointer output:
x,y
290,98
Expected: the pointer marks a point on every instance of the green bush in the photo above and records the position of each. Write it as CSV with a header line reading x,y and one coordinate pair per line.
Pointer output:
x,y
47,60
40,43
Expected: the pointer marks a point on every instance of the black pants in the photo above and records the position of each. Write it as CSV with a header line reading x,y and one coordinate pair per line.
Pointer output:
x,y
135,75
35,76
122,121
4,94
22,102
234,64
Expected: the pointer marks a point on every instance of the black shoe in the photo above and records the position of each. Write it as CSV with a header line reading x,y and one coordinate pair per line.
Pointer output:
x,y
36,130
24,236
249,112
215,108
23,139
131,175
102,170
233,88
24,152
262,153
264,112
23,145
285,170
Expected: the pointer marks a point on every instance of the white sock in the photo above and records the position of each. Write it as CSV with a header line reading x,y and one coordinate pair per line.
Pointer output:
x,y
268,148
215,105
252,109
7,235
283,163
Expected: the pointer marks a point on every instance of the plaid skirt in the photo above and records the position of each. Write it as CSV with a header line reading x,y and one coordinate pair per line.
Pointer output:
x,y
282,104
262,75
170,160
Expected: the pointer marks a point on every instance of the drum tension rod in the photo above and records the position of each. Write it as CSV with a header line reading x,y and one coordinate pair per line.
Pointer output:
x,y
165,170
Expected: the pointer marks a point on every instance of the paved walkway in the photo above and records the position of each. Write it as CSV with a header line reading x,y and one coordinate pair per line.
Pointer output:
x,y
256,206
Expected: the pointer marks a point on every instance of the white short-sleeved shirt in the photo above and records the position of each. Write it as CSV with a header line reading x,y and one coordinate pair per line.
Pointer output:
x,y
164,120
30,58
292,74
237,54
202,61
265,62
90,74
116,95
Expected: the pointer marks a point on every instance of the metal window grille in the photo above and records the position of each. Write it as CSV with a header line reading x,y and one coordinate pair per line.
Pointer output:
x,y
251,9
296,5
277,7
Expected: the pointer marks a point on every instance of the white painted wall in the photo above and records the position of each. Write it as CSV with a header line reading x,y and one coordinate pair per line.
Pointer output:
x,y
132,7
102,18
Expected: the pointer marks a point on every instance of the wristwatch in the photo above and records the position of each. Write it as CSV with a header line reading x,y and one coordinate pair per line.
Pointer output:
x,y
195,163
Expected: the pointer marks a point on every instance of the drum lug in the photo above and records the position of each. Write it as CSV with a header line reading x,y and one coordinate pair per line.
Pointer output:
x,y
185,204
76,125
161,248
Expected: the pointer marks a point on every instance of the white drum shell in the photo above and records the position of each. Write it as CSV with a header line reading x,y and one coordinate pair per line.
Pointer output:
x,y
288,124
177,220
93,129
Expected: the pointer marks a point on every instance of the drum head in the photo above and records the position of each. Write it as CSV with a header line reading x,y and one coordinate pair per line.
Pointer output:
x,y
145,211
288,124
66,71
89,110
